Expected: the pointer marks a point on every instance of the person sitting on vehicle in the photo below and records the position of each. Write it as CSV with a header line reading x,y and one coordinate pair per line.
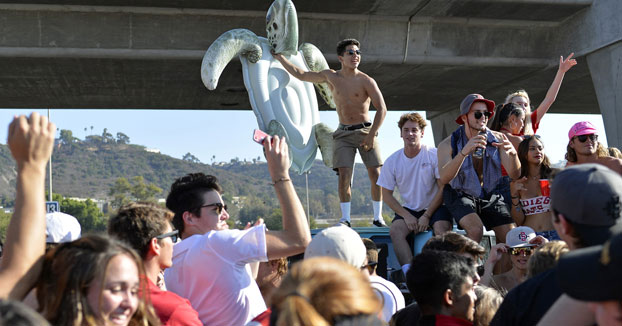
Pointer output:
x,y
414,171
531,204
470,163
584,147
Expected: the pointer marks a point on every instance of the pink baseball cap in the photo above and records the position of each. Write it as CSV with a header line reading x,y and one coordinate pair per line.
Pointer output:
x,y
582,128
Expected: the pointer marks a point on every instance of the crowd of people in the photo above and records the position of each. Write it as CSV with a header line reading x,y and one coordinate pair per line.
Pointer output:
x,y
556,261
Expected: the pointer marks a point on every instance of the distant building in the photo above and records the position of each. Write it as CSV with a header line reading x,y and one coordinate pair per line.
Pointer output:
x,y
152,150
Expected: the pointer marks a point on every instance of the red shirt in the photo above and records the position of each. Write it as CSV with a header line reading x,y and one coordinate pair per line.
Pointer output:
x,y
443,320
172,309
263,319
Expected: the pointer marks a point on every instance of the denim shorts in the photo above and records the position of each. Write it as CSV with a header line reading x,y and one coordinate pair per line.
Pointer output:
x,y
492,209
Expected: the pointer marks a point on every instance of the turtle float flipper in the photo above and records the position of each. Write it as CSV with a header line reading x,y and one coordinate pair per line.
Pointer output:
x,y
316,62
324,138
235,42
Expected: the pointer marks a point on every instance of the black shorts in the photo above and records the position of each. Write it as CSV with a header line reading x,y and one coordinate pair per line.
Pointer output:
x,y
491,210
441,214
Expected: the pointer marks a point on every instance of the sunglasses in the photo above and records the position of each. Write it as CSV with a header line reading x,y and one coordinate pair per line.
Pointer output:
x,y
583,138
519,251
174,235
478,114
352,52
525,137
219,207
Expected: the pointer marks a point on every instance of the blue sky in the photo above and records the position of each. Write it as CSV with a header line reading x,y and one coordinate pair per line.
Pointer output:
x,y
227,134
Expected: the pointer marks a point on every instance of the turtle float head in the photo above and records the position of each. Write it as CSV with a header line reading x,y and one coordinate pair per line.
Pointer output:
x,y
282,27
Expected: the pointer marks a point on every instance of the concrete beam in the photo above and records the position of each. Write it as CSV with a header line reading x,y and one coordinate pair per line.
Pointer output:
x,y
606,68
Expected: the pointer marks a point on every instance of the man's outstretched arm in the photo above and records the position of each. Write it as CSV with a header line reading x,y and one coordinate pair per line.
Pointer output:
x,y
295,236
30,141
308,76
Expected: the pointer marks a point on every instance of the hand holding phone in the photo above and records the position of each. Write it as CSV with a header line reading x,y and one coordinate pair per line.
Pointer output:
x,y
259,136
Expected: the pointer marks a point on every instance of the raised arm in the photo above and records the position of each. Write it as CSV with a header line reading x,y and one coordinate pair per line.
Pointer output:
x,y
551,94
308,76
30,141
295,236
377,100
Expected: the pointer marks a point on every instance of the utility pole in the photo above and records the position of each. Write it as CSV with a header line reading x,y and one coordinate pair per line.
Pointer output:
x,y
50,165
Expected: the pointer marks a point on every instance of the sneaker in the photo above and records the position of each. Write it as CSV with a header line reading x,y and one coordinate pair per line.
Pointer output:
x,y
346,223
380,223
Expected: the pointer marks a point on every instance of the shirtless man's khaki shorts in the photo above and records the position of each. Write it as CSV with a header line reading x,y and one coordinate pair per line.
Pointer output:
x,y
346,142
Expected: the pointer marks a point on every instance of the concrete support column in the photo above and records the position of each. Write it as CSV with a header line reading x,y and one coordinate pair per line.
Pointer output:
x,y
443,124
606,70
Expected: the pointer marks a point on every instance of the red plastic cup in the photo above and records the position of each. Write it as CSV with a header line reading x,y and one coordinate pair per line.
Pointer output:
x,y
545,187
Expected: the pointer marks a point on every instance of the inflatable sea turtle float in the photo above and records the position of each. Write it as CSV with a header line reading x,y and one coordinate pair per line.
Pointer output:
x,y
283,105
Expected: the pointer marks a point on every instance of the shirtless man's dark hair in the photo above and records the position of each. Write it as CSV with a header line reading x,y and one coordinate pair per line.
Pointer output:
x,y
341,46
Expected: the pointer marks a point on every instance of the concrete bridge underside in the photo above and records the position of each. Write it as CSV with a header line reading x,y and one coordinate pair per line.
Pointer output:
x,y
424,54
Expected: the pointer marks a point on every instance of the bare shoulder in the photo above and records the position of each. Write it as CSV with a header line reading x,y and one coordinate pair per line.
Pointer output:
x,y
444,143
367,78
328,73
444,147
613,163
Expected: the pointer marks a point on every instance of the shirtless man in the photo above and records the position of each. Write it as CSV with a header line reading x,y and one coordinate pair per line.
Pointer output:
x,y
353,91
583,147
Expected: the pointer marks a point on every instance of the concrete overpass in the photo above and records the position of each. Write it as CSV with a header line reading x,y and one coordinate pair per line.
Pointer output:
x,y
424,54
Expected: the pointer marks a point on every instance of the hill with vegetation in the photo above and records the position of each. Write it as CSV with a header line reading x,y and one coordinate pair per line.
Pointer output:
x,y
99,166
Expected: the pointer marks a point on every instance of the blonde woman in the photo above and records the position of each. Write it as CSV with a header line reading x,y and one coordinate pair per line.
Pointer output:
x,y
521,98
325,291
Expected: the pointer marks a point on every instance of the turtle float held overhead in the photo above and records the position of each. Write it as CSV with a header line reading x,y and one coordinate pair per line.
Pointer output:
x,y
283,105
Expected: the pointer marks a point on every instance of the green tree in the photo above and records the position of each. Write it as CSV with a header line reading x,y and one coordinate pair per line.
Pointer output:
x,y
66,137
107,137
144,191
275,220
119,192
122,192
253,209
5,218
122,138
86,212
190,158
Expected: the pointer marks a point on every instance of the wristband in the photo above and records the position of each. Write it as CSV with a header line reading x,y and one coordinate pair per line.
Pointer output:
x,y
462,154
280,180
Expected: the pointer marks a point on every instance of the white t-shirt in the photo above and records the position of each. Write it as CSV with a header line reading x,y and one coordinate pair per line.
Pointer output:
x,y
212,271
391,297
414,177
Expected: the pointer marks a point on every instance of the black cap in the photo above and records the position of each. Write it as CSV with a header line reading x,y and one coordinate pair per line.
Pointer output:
x,y
593,273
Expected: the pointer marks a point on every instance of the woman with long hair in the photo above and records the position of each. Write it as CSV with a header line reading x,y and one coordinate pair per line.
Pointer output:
x,y
521,98
325,291
510,120
530,207
94,281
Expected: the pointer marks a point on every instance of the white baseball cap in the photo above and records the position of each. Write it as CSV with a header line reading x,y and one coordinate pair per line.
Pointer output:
x,y
520,237
339,242
61,227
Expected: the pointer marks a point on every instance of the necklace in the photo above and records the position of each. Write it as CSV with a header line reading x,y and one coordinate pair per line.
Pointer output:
x,y
535,177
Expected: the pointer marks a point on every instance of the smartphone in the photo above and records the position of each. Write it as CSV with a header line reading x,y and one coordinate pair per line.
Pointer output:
x,y
259,136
